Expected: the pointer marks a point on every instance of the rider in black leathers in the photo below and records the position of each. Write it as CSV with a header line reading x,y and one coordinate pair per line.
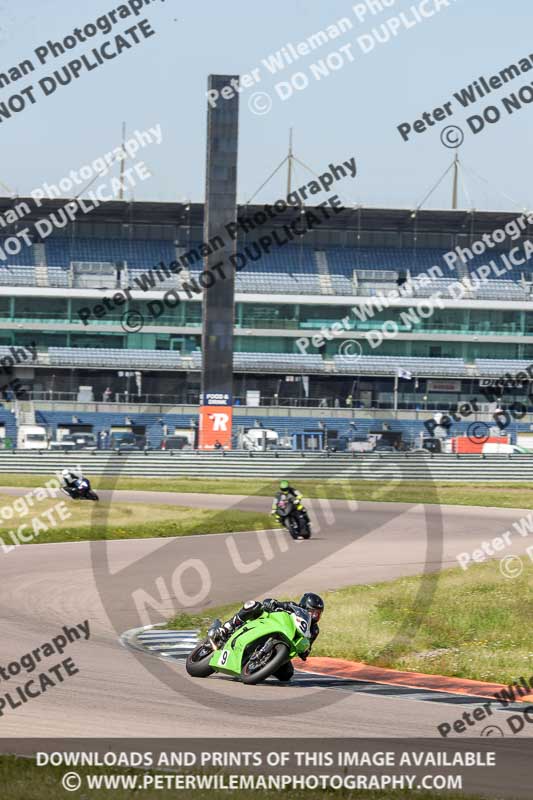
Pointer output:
x,y
74,483
286,491
311,602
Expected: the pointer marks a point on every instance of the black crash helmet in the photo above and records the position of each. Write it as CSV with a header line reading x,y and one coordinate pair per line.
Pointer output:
x,y
312,603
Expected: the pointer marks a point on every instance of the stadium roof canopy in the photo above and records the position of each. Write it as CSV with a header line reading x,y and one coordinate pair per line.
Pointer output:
x,y
353,218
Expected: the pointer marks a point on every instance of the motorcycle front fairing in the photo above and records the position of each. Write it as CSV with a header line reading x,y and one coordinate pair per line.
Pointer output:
x,y
292,628
285,508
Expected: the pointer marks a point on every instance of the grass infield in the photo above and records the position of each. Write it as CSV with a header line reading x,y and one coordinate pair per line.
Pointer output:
x,y
22,779
501,495
477,626
94,521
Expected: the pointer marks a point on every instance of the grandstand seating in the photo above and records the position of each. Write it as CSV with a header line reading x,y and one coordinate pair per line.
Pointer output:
x,y
344,260
285,426
21,259
385,366
294,259
499,367
58,277
7,419
501,290
17,275
165,360
297,267
341,284
277,283
513,274
276,362
138,253
279,361
388,365
271,362
120,359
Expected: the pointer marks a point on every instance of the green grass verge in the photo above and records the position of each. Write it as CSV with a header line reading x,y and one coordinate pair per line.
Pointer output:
x,y
92,522
502,495
477,626
21,779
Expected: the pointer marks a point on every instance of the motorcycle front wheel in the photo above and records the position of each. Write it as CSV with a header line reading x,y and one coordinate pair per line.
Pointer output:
x,y
260,668
197,664
305,530
292,526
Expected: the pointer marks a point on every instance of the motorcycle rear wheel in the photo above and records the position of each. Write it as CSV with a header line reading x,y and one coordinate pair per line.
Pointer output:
x,y
279,655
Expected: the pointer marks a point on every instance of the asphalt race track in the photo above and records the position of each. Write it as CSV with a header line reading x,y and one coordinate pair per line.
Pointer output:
x,y
119,693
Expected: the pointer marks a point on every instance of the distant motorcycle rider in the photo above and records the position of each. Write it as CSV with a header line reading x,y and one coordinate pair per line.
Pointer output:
x,y
310,602
73,482
288,492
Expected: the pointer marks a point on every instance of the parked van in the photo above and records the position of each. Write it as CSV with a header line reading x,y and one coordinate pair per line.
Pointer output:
x,y
497,448
260,439
32,437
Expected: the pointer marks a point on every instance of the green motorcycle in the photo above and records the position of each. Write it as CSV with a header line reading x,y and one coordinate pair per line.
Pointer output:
x,y
256,650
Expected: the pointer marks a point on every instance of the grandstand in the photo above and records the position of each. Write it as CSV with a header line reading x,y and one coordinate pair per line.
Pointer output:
x,y
286,305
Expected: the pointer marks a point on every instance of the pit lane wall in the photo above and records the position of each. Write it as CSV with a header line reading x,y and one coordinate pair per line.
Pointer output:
x,y
270,465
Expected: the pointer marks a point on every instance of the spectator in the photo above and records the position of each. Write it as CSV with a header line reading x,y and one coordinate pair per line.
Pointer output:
x,y
500,417
103,440
217,445
349,401
337,403
106,397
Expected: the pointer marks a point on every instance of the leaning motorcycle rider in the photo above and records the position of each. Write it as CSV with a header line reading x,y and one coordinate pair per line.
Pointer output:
x,y
70,478
288,492
73,481
311,602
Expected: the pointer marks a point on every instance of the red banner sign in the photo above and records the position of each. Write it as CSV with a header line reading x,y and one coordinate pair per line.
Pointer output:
x,y
215,427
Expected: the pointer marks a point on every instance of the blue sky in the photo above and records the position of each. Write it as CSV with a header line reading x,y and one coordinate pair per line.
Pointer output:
x,y
353,112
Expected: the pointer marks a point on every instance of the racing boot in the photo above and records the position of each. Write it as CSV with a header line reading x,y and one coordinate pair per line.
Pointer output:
x,y
219,633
